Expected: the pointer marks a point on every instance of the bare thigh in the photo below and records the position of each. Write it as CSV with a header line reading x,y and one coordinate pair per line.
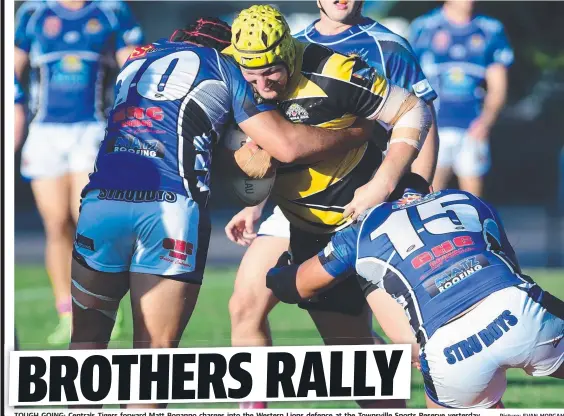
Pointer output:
x,y
161,309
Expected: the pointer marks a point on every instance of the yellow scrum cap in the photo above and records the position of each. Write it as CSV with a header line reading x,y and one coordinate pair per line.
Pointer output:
x,y
260,37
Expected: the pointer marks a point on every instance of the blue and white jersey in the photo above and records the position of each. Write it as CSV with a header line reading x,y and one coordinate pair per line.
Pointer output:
x,y
382,49
437,255
69,51
172,102
455,59
19,96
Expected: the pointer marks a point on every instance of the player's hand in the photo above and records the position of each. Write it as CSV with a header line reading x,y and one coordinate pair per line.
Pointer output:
x,y
479,130
240,229
255,162
365,197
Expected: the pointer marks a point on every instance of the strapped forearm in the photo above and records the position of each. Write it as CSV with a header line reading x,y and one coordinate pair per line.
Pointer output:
x,y
409,116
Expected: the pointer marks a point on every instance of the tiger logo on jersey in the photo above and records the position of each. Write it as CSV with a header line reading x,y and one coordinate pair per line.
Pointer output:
x,y
296,113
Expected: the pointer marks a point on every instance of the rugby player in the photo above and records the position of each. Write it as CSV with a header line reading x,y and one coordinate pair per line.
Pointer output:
x,y
343,28
144,224
466,58
445,260
68,45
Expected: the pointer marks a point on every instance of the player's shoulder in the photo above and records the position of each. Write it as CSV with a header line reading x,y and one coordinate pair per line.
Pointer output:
x,y
29,8
316,56
381,33
111,6
428,21
488,24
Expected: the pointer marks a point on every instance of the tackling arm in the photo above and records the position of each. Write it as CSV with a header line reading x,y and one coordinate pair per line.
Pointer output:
x,y
289,142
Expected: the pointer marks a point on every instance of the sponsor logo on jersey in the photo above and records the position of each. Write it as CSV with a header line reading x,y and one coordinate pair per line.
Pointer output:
x,y
52,26
477,43
93,26
141,51
296,113
455,274
485,338
131,144
457,51
457,75
441,41
136,196
406,202
71,37
178,251
71,63
138,116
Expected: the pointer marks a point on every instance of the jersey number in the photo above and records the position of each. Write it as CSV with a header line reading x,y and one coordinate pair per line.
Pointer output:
x,y
166,79
436,218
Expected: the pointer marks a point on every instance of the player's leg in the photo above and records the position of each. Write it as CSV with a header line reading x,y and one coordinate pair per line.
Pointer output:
x,y
252,301
340,314
167,270
471,164
543,317
449,141
52,200
100,270
96,297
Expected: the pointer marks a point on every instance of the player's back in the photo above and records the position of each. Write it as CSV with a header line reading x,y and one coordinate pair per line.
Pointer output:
x,y
172,101
439,255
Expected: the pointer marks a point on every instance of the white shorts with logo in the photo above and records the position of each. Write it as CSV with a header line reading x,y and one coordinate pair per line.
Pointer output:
x,y
464,362
53,150
276,225
166,237
466,156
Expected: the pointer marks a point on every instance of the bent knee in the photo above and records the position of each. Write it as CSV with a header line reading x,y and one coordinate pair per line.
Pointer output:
x,y
249,307
58,227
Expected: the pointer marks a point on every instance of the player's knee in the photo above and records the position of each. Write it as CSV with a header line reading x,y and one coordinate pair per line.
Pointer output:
x,y
246,309
57,227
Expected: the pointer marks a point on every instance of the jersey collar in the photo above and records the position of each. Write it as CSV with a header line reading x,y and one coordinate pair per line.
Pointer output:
x,y
312,35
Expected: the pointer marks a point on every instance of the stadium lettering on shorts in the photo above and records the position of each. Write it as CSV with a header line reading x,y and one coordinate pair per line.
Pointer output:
x,y
485,338
136,196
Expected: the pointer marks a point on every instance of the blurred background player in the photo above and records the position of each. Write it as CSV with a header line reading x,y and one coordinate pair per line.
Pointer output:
x,y
442,264
69,45
343,28
19,114
314,196
465,58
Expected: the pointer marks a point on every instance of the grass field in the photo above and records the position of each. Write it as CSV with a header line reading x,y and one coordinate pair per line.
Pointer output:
x,y
36,317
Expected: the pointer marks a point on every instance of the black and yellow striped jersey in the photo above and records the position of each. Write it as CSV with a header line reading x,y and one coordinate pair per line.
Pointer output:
x,y
328,90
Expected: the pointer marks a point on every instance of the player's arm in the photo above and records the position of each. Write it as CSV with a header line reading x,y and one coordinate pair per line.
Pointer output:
x,y
372,97
403,69
289,142
499,56
19,114
292,283
496,81
128,33
23,37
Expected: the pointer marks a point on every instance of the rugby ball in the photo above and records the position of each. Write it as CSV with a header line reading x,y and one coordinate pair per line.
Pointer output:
x,y
249,191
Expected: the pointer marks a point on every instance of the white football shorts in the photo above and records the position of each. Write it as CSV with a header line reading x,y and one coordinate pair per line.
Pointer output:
x,y
152,232
466,156
276,225
52,150
464,361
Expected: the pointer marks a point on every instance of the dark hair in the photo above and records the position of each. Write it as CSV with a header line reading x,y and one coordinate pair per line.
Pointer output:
x,y
410,182
206,31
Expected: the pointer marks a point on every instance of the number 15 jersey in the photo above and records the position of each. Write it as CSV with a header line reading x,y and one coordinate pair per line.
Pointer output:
x,y
436,255
172,102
